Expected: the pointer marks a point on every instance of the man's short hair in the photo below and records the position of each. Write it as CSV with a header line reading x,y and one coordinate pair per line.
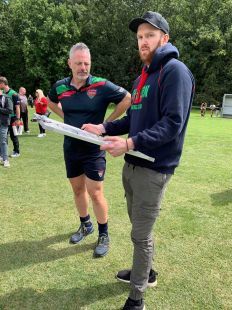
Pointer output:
x,y
3,80
78,46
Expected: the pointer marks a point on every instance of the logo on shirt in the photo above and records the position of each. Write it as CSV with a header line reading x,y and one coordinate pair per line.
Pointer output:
x,y
101,173
144,94
91,93
121,90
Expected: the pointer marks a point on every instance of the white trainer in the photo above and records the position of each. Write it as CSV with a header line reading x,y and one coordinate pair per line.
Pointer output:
x,y
41,135
14,154
6,164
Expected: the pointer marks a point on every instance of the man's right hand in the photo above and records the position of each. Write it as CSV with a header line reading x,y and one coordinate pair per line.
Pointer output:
x,y
96,129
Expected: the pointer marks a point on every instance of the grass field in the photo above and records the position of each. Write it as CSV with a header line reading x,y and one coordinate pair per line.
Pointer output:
x,y
39,269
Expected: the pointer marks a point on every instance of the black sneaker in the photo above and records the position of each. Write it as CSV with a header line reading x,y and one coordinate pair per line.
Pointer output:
x,y
81,233
124,276
103,245
134,304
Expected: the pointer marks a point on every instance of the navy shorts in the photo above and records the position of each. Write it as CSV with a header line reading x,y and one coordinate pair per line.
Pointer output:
x,y
93,166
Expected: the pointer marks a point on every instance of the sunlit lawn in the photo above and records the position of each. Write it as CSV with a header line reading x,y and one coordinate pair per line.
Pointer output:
x,y
39,269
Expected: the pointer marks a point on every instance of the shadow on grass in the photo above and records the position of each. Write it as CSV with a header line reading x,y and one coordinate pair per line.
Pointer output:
x,y
53,299
18,254
223,198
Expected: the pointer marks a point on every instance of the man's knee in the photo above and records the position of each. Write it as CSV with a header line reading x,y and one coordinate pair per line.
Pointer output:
x,y
78,186
4,139
78,191
141,232
96,195
95,190
143,241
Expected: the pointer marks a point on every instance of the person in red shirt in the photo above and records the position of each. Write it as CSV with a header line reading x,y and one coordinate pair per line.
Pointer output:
x,y
41,105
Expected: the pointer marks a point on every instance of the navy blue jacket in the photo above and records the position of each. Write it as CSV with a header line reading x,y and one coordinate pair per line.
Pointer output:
x,y
157,123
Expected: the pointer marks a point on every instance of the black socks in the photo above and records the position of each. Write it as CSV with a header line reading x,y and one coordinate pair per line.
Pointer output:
x,y
102,228
86,220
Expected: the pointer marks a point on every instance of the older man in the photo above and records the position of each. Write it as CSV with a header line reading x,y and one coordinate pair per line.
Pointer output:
x,y
23,108
85,98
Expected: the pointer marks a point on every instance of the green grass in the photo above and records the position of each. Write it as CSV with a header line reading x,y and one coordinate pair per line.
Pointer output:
x,y
39,269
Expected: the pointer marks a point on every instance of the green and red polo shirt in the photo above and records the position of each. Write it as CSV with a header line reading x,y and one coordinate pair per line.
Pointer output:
x,y
87,104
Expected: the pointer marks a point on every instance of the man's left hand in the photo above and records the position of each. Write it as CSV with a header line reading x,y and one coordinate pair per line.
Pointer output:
x,y
116,146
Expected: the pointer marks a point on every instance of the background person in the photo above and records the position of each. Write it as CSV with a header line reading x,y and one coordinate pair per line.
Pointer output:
x,y
203,108
30,101
213,109
6,108
85,98
23,108
218,111
15,116
156,121
41,105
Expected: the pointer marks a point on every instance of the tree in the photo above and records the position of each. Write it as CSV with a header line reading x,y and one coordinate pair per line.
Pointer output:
x,y
37,35
39,39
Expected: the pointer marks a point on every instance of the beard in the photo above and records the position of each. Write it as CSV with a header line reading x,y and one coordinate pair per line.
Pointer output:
x,y
82,75
148,55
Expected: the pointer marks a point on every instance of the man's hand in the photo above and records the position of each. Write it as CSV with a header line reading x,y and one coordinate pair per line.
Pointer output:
x,y
56,108
116,146
17,122
96,129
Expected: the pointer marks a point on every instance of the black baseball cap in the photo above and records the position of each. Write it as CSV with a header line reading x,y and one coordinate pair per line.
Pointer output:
x,y
153,18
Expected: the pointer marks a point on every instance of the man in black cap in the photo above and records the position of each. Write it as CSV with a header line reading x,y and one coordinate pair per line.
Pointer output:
x,y
156,122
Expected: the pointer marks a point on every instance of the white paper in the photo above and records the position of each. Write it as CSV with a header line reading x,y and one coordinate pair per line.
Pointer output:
x,y
71,131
